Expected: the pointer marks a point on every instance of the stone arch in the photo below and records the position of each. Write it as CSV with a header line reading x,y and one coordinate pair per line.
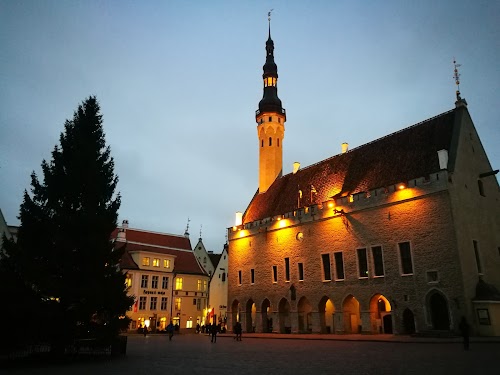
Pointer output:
x,y
235,312
250,313
304,310
380,314
284,316
438,309
408,321
326,310
266,313
352,318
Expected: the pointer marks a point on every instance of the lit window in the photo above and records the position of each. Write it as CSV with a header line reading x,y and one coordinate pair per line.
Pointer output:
x,y
156,262
205,285
128,280
164,283
142,303
152,304
178,283
189,324
178,303
199,285
327,275
144,281
145,261
154,282
163,305
166,263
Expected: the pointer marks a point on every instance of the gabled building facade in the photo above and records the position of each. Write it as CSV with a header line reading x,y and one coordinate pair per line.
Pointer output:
x,y
165,278
400,235
219,286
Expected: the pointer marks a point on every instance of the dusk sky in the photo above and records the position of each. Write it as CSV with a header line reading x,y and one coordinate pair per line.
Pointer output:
x,y
179,82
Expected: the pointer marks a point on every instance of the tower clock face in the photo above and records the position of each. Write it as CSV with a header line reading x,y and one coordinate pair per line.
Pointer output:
x,y
300,236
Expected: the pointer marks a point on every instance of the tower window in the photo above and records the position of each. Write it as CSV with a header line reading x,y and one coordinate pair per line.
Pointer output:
x,y
278,141
270,118
262,143
481,187
279,120
270,141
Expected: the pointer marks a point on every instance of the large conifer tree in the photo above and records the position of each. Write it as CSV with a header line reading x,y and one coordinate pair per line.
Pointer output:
x,y
64,252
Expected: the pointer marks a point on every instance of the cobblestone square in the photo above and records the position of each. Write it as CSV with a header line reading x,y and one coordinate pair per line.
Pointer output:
x,y
195,354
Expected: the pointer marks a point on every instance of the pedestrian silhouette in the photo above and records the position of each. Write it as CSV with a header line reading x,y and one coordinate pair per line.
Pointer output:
x,y
464,330
170,330
214,333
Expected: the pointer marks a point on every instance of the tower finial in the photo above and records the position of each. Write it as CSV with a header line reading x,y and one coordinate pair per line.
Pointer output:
x,y
201,226
269,20
456,76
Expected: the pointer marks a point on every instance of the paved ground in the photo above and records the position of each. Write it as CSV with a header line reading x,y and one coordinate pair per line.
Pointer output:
x,y
287,354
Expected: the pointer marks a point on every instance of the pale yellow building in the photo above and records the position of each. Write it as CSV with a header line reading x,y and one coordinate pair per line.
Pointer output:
x,y
165,278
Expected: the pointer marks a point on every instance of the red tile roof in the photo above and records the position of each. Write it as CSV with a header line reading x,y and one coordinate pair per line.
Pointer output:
x,y
398,157
162,243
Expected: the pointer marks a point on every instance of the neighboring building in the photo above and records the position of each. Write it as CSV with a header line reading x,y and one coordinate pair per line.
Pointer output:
x,y
203,257
4,230
218,286
399,235
214,265
165,278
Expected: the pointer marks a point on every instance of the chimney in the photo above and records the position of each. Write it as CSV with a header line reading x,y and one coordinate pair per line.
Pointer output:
x,y
296,166
443,159
121,237
125,224
345,147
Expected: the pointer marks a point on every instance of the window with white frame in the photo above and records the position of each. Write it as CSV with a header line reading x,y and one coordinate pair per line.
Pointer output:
x,y
166,263
163,305
327,274
144,281
405,258
145,261
154,282
362,263
378,261
142,303
153,302
156,262
178,283
339,265
164,282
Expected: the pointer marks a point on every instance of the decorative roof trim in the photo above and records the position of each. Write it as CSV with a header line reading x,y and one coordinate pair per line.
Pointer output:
x,y
158,246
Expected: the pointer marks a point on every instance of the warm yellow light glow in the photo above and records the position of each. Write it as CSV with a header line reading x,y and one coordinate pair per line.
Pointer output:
x,y
147,323
401,186
330,204
239,218
234,229
283,223
351,198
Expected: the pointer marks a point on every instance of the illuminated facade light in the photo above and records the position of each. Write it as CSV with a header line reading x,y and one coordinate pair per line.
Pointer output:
x,y
401,186
239,219
330,204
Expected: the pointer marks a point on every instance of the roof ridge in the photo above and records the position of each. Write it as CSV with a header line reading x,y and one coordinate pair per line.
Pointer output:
x,y
154,232
160,246
378,139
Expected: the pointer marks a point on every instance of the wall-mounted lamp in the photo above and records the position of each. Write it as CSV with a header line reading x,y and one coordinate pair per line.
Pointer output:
x,y
338,212
401,186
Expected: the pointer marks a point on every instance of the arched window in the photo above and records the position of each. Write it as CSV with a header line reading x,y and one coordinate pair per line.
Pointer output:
x,y
270,141
262,143
278,142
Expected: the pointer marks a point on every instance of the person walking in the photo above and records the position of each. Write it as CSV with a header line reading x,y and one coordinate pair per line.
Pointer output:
x,y
170,330
238,330
214,333
145,331
465,331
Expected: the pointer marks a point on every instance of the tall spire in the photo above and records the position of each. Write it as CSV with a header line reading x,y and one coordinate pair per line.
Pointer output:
x,y
270,118
460,102
270,101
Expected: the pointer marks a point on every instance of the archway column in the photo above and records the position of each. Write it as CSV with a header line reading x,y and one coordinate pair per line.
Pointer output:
x,y
294,321
276,324
339,323
315,322
365,322
258,322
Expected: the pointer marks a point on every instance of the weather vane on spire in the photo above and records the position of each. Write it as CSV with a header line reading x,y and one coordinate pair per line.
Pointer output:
x,y
201,226
456,76
269,15
186,233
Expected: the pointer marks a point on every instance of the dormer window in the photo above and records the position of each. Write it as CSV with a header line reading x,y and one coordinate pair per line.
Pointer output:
x,y
145,261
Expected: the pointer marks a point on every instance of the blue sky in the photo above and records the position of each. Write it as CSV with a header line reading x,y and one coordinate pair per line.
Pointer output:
x,y
179,83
